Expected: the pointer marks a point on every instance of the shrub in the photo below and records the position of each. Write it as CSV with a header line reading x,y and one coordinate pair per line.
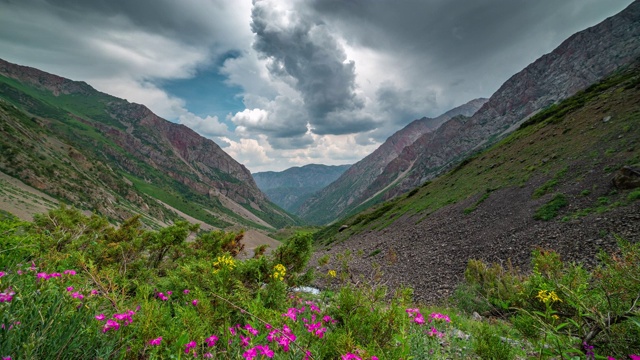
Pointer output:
x,y
550,210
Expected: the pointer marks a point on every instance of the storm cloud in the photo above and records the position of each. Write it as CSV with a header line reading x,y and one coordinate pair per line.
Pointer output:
x,y
302,52
313,81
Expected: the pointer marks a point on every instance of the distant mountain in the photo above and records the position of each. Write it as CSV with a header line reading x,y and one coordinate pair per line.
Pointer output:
x,y
104,154
291,187
583,59
350,190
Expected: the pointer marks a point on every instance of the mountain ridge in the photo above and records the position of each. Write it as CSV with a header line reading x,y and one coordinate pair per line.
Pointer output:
x,y
147,157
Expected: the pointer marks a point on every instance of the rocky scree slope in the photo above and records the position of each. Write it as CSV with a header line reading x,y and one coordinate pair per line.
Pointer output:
x,y
291,187
350,190
565,164
103,153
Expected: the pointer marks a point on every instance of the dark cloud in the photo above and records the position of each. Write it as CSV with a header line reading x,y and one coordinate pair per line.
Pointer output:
x,y
302,52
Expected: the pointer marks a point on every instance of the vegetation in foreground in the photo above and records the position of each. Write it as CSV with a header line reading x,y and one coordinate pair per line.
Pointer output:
x,y
73,286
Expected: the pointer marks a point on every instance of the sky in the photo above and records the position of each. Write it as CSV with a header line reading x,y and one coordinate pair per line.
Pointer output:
x,y
283,83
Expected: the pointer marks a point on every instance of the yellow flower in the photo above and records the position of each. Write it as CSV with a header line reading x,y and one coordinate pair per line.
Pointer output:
x,y
279,271
224,261
548,296
331,273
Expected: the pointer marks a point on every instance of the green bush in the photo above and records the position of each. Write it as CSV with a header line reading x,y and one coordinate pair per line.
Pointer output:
x,y
550,210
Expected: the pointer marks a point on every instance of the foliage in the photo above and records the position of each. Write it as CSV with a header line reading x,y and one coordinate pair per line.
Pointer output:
x,y
550,210
566,304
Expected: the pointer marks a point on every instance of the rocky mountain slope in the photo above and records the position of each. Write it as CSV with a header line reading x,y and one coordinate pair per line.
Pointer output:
x,y
105,154
583,59
568,179
290,188
578,62
349,192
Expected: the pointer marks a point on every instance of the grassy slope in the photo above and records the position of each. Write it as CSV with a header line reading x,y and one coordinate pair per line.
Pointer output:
x,y
559,144
64,114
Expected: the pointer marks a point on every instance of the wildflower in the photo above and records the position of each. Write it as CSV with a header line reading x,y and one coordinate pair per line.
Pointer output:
x,y
419,319
185,291
77,295
111,324
194,302
307,355
548,296
94,292
588,350
208,355
211,340
634,357
224,261
279,271
69,272
244,341
56,274
251,330
190,345
332,273
232,330
2,273
7,295
374,358
155,342
250,354
169,293
291,313
70,288
6,358
100,317
350,356
20,272
264,349
438,316
162,297
42,275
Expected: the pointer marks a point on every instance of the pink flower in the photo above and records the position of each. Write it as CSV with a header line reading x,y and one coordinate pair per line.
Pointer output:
x,y
350,356
94,292
186,291
69,272
438,316
194,302
155,342
251,330
2,273
419,319
374,358
111,324
307,355
244,341
250,354
232,330
7,295
20,272
70,288
211,340
634,357
42,275
291,313
208,355
56,274
100,317
190,345
264,349
77,295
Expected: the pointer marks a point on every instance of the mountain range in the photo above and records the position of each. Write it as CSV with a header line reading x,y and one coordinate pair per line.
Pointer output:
x,y
104,154
290,188
399,166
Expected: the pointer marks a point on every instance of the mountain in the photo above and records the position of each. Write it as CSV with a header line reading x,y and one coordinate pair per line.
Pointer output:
x,y
104,154
581,60
350,191
290,188
568,179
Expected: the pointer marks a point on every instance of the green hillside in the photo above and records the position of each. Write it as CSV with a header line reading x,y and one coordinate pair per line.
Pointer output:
x,y
597,130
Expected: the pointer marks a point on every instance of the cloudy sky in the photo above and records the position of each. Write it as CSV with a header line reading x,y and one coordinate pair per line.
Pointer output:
x,y
281,83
